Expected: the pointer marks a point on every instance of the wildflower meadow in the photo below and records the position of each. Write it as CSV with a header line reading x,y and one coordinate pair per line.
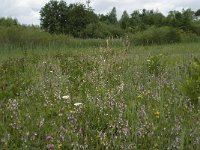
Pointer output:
x,y
103,97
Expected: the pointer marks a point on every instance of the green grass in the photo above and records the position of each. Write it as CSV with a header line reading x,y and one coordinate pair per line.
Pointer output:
x,y
129,99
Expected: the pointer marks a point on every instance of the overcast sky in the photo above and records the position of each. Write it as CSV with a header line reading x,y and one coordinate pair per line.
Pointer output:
x,y
27,11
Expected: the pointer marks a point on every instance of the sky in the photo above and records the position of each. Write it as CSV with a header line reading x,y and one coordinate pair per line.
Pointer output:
x,y
27,11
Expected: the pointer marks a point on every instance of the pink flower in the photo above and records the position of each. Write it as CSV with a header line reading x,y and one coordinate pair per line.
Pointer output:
x,y
49,138
50,146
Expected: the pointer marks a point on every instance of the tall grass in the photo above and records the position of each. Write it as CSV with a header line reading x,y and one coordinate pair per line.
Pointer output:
x,y
98,98
33,38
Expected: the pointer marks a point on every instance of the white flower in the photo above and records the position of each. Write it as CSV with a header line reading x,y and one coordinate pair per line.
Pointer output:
x,y
51,71
66,97
148,60
77,104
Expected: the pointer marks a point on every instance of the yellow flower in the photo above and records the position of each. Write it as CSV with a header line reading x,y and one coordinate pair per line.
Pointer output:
x,y
59,146
157,114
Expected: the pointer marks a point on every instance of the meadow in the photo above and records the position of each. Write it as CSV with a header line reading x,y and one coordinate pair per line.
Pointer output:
x,y
100,96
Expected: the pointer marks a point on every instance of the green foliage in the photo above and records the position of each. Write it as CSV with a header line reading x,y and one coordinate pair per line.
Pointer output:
x,y
8,22
191,86
97,30
125,20
54,17
142,20
196,28
197,13
182,20
154,35
79,18
189,37
102,30
13,79
156,65
33,37
57,17
104,18
29,37
112,16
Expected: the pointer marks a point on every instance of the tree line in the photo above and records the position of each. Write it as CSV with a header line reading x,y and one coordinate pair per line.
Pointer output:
x,y
143,27
81,21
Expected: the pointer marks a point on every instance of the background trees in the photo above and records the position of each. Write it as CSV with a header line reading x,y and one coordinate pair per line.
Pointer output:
x,y
81,21
8,22
79,17
197,13
58,17
54,17
113,16
125,20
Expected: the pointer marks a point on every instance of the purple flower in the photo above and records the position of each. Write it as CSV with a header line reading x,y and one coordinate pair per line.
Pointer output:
x,y
49,138
50,146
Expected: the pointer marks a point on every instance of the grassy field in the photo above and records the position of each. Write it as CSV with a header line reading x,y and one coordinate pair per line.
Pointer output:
x,y
143,97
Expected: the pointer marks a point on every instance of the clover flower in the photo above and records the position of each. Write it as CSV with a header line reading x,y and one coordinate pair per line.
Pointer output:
x,y
78,104
66,97
49,138
50,146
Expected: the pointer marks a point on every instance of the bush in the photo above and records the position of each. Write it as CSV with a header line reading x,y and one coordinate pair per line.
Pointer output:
x,y
189,37
102,30
29,37
196,28
155,35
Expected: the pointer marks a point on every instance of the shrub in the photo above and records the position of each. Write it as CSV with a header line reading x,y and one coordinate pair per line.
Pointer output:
x,y
30,37
102,30
196,28
189,37
155,35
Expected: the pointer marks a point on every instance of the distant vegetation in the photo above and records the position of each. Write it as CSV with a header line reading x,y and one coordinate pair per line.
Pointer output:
x,y
62,22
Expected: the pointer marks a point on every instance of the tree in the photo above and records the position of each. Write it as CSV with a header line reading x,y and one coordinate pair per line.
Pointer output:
x,y
187,18
57,17
135,18
182,20
124,21
197,13
152,18
174,18
113,16
54,16
104,18
79,18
